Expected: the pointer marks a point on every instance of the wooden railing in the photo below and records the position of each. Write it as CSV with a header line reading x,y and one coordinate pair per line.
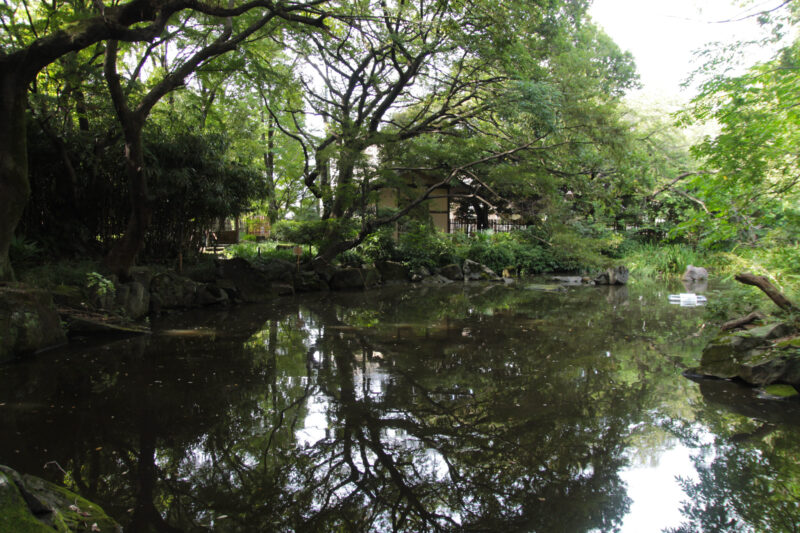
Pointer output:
x,y
468,226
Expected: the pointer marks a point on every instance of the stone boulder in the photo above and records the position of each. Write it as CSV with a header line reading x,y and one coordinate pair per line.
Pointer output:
x,y
694,273
754,356
477,272
372,278
211,294
28,322
347,279
309,281
392,272
33,505
251,284
436,279
613,276
143,275
452,272
278,270
419,273
568,280
323,269
168,290
133,299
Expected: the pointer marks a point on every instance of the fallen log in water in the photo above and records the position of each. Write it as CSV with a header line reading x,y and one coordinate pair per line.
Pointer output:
x,y
743,321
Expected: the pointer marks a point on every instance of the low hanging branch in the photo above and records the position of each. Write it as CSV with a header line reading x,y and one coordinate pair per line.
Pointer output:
x,y
769,289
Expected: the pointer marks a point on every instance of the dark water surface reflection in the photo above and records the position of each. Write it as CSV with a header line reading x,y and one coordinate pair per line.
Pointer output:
x,y
469,408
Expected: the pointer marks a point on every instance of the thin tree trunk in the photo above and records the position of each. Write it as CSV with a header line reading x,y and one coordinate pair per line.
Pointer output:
x,y
15,189
123,254
269,162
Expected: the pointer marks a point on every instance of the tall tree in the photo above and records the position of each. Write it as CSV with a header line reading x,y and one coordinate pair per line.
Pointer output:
x,y
438,64
34,39
753,159
132,119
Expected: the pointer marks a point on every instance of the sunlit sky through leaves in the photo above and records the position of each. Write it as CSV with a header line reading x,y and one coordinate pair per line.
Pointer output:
x,y
663,35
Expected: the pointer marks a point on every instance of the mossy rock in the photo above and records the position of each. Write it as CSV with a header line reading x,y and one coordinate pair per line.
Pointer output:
x,y
753,356
781,391
794,342
724,356
28,321
32,505
14,512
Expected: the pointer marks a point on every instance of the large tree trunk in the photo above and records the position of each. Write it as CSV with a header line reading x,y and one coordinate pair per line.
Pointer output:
x,y
123,254
15,188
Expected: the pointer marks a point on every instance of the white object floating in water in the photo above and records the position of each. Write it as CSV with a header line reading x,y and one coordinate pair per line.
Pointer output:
x,y
688,299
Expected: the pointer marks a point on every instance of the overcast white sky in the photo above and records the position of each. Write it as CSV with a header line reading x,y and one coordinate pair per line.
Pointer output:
x,y
663,34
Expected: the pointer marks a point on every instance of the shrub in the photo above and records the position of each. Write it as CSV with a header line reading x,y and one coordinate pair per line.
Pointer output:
x,y
23,252
421,245
314,232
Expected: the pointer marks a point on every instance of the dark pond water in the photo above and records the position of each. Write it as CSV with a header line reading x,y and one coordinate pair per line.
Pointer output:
x,y
467,408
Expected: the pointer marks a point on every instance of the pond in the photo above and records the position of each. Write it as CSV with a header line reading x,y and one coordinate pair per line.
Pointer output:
x,y
465,407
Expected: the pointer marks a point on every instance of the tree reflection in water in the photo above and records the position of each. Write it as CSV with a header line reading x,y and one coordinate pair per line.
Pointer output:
x,y
460,408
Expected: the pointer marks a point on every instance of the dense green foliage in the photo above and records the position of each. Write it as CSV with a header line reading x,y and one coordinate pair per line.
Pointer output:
x,y
518,112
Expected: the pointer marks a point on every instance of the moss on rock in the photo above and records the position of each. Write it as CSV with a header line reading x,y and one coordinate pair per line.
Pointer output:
x,y
29,504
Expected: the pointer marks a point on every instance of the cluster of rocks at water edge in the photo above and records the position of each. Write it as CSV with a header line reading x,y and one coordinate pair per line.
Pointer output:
x,y
617,275
754,349
33,319
758,354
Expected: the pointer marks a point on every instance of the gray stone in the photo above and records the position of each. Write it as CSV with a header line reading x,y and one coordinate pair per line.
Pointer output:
x,y
211,294
419,273
278,270
752,356
436,279
477,272
173,290
323,269
452,272
372,278
28,322
770,331
694,273
772,369
347,279
282,289
613,276
309,281
136,302
252,285
568,280
392,272
143,275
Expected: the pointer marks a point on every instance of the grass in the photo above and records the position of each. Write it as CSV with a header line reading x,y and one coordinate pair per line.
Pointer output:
x,y
52,275
266,250
656,261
